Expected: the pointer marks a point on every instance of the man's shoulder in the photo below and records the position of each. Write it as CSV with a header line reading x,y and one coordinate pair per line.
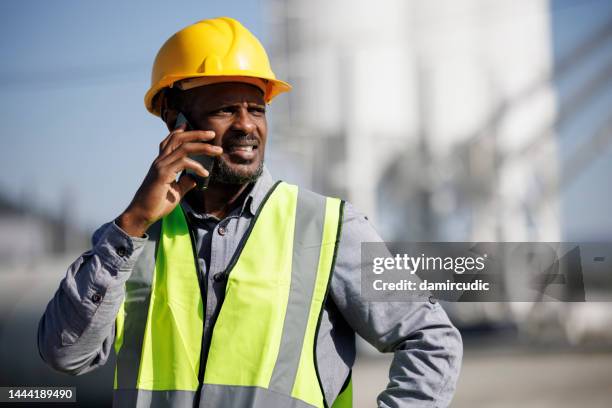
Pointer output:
x,y
356,225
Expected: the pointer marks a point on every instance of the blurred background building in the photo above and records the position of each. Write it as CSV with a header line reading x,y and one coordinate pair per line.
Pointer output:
x,y
452,121
469,120
436,115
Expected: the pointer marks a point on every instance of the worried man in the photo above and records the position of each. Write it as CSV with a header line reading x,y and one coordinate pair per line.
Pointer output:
x,y
245,293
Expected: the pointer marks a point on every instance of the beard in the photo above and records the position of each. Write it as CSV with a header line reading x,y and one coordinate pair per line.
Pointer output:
x,y
222,173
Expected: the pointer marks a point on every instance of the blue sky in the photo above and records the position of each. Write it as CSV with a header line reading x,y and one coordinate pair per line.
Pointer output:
x,y
72,82
74,74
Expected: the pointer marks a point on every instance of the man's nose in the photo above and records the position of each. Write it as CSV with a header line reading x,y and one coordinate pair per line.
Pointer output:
x,y
244,121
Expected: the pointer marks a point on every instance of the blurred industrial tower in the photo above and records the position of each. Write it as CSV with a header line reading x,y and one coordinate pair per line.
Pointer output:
x,y
418,112
438,119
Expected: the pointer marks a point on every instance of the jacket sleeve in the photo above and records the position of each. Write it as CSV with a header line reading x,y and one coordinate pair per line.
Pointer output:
x,y
427,347
77,330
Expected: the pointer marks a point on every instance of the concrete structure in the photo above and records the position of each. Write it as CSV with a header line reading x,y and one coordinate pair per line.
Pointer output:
x,y
434,113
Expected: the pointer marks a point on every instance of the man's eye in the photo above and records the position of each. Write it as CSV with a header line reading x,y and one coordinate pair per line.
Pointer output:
x,y
224,111
258,110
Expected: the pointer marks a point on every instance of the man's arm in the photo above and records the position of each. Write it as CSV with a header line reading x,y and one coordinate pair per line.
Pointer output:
x,y
77,330
428,348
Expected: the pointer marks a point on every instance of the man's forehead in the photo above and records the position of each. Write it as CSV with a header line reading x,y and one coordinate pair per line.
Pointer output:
x,y
226,92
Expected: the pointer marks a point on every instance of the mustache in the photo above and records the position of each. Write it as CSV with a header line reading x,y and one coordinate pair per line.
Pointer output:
x,y
236,138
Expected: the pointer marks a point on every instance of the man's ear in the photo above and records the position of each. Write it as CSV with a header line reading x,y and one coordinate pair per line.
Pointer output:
x,y
169,116
168,113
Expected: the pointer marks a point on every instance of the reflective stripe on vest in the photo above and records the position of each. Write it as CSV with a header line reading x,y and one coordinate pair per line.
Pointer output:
x,y
262,350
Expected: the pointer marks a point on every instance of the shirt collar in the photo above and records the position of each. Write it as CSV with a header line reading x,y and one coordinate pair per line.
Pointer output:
x,y
252,201
258,192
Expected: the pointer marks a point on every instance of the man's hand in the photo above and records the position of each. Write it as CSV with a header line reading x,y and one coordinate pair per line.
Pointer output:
x,y
160,193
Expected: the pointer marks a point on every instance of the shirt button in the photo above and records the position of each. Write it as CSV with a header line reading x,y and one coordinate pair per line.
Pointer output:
x,y
121,251
96,298
221,230
219,277
432,300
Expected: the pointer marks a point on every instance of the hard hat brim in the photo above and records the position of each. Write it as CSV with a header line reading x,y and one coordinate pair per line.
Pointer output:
x,y
153,103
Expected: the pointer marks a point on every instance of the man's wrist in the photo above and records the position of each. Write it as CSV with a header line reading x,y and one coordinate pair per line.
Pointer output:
x,y
132,225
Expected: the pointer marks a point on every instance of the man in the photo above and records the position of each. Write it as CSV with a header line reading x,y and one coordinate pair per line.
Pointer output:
x,y
246,293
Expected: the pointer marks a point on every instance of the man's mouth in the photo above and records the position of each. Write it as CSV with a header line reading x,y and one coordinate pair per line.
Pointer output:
x,y
241,152
238,148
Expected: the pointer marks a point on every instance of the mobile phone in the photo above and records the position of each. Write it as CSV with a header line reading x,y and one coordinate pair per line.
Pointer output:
x,y
206,161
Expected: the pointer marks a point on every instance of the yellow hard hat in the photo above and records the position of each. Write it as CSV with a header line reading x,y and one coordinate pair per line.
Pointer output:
x,y
214,49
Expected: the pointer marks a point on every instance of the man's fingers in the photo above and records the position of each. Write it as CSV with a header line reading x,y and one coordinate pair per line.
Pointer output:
x,y
164,142
191,148
187,163
184,184
178,137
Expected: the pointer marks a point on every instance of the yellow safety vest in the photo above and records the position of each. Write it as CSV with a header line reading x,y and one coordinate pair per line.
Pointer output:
x,y
262,350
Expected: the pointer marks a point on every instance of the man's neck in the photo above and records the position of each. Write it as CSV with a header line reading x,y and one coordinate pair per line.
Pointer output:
x,y
218,199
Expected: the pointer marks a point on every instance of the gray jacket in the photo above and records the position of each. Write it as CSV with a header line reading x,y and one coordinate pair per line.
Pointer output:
x,y
76,332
